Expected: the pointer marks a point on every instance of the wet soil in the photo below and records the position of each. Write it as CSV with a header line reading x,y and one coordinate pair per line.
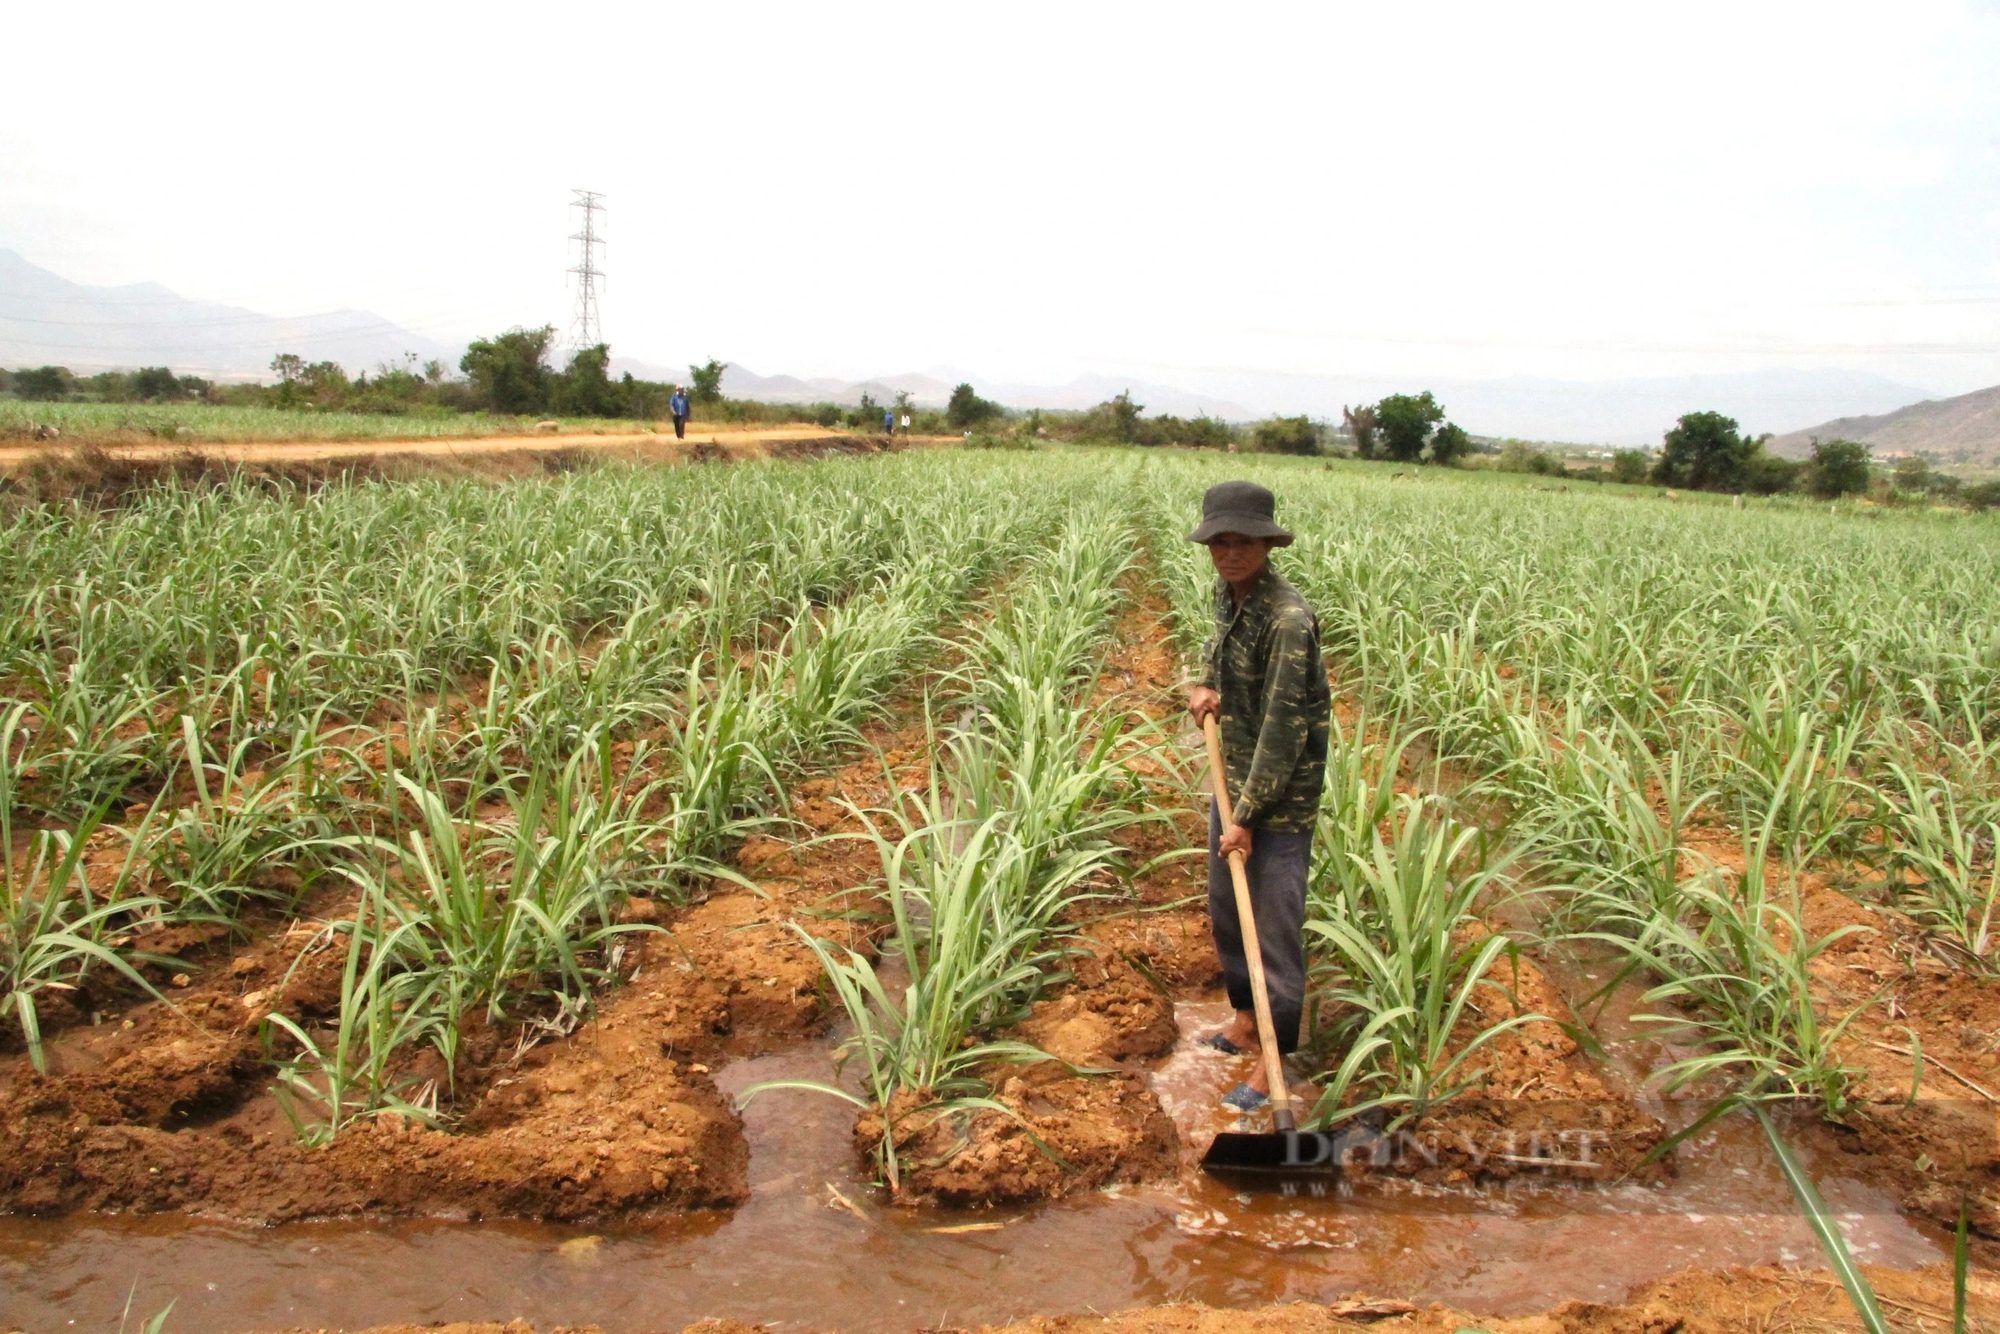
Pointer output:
x,y
169,1109
814,1246
606,1121
1761,1299
1928,1133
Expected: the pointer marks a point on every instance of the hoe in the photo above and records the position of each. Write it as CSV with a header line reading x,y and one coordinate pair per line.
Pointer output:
x,y
1285,1150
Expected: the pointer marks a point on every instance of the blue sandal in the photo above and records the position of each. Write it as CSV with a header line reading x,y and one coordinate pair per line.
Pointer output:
x,y
1220,1042
1245,1099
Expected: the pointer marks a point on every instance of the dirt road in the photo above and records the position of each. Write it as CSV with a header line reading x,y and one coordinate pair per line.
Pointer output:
x,y
757,443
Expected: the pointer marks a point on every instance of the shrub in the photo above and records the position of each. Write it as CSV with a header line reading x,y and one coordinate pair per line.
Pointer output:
x,y
1286,435
1115,420
1768,475
510,373
1837,468
1913,475
1629,466
966,408
1360,424
46,383
1981,495
1520,456
705,381
155,383
1705,452
1450,444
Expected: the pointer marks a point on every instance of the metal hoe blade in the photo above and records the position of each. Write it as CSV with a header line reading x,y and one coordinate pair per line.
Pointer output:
x,y
1292,1152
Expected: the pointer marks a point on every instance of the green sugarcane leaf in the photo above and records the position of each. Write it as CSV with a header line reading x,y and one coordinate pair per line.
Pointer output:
x,y
1827,1229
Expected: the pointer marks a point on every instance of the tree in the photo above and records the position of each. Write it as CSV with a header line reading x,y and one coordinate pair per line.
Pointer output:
x,y
44,382
1767,474
1450,444
586,384
1981,495
1912,474
1405,422
1837,468
1360,422
510,373
1629,466
966,408
1705,452
152,383
706,380
1286,435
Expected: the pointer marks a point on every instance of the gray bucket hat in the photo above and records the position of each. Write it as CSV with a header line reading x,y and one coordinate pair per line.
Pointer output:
x,y
1239,507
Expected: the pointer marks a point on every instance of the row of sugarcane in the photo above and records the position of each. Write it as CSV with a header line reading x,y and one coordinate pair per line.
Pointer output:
x,y
485,777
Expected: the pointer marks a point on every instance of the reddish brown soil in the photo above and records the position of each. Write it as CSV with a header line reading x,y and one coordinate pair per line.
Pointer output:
x,y
1540,1092
1760,1300
1940,1148
1114,1013
1142,672
1093,1129
604,1122
1108,1013
1174,947
160,1110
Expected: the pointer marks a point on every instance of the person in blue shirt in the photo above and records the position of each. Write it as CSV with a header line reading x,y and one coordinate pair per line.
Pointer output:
x,y
678,406
889,423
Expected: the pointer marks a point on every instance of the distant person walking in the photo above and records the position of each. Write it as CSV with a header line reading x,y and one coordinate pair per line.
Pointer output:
x,y
889,424
678,406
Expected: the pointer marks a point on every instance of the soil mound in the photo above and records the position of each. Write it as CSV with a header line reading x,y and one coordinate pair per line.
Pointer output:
x,y
1066,1133
605,1121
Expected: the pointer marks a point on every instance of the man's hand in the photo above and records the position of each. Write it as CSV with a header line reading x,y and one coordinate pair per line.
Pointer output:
x,y
1236,838
1202,702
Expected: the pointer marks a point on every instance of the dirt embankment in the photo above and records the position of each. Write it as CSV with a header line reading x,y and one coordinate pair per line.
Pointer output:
x,y
761,442
1760,1300
1919,1023
168,1109
108,474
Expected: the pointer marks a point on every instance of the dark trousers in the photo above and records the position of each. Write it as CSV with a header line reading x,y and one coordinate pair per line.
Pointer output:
x,y
680,428
1276,870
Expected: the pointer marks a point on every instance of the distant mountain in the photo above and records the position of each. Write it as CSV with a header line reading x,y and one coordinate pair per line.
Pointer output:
x,y
1965,429
46,319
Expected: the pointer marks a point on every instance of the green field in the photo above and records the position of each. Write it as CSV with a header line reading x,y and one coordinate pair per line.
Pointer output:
x,y
200,424
1587,719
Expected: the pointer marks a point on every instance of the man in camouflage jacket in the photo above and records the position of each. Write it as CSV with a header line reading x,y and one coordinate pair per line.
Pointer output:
x,y
1267,688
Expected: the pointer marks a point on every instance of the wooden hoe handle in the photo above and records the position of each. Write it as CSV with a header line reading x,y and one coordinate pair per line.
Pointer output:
x,y
1282,1115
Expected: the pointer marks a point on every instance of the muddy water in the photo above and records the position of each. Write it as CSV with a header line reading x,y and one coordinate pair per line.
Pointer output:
x,y
794,1258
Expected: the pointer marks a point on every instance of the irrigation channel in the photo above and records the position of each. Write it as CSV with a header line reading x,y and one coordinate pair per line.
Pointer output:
x,y
791,1258
517,857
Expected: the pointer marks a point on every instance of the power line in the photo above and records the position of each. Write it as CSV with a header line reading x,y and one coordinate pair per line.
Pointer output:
x,y
587,329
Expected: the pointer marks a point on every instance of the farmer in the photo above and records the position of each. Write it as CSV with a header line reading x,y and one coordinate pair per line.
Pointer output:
x,y
1267,689
678,406
889,423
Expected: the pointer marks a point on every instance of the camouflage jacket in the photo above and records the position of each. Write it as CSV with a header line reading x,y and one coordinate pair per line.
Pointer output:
x,y
1264,661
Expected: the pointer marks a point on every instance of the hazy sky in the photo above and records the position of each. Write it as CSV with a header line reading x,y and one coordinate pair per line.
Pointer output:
x,y
1033,190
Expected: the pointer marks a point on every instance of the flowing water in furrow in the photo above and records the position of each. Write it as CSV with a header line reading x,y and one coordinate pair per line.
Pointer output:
x,y
795,1257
